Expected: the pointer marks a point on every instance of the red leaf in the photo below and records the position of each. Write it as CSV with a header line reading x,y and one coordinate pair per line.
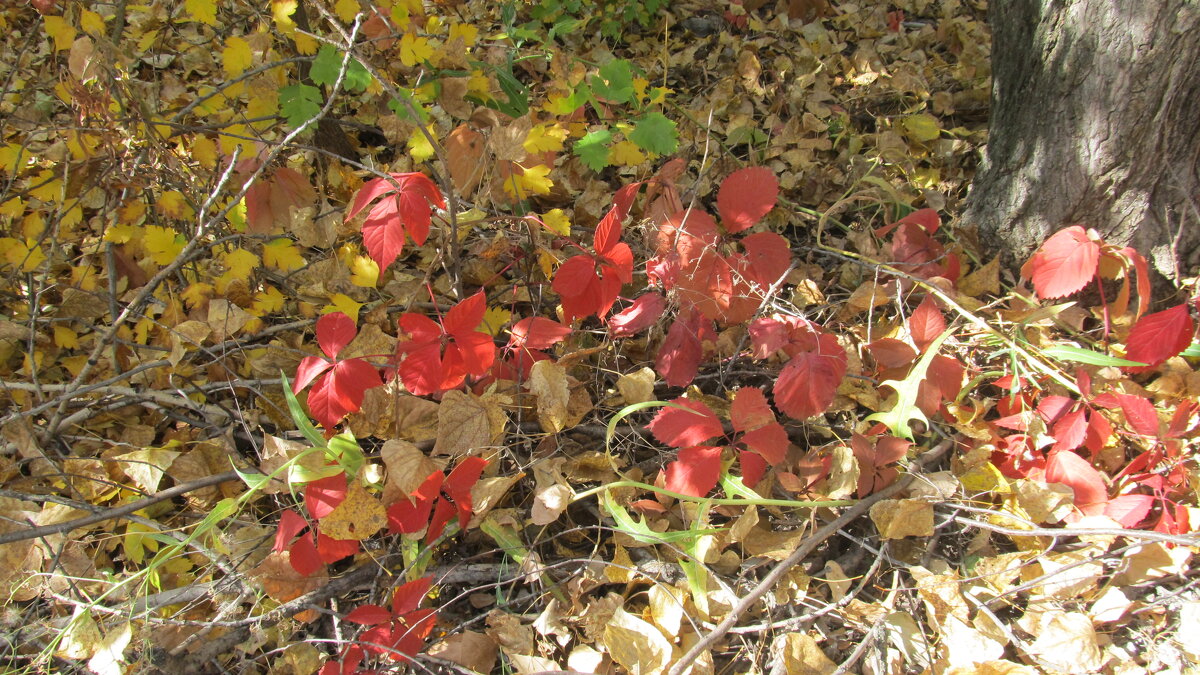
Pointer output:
x,y
304,558
409,633
459,483
926,323
1070,430
769,257
411,514
407,597
770,441
1139,413
406,208
807,384
332,550
368,615
290,525
323,495
608,231
340,391
746,196
1075,472
1159,336
892,353
643,313
310,367
679,355
680,428
696,471
465,316
750,409
538,332
443,511
1064,264
753,467
1129,510
426,368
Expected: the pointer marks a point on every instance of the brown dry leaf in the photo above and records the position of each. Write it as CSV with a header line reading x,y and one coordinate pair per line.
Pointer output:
x,y
185,337
508,143
843,474
19,559
282,583
983,281
81,637
801,655
966,646
1074,573
471,650
529,665
507,631
941,594
899,518
548,382
488,492
1152,561
225,318
407,468
205,459
638,386
298,658
463,425
667,607
146,467
551,493
636,644
1065,642
359,516
866,296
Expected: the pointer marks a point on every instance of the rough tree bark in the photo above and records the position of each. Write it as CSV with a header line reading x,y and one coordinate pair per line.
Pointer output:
x,y
1096,121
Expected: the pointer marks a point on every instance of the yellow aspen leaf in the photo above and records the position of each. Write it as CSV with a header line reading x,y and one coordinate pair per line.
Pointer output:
x,y
626,153
283,255
91,22
238,135
162,244
239,263
267,301
13,207
466,32
433,25
121,233
141,330
72,217
532,181
204,11
49,188
82,145
204,150
25,256
921,127
418,145
545,138
33,225
364,271
73,364
558,222
343,303
172,204
282,11
65,338
197,294
237,56
346,10
147,41
413,50
12,154
479,85
132,213
495,319
62,32
305,44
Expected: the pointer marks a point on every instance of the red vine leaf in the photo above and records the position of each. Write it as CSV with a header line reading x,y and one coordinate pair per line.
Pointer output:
x,y
746,195
679,427
405,207
1064,264
696,471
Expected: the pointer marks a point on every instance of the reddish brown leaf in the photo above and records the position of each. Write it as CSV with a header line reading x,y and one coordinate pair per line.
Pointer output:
x,y
1064,264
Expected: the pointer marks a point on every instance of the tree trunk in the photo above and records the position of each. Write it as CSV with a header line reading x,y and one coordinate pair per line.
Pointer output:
x,y
1095,121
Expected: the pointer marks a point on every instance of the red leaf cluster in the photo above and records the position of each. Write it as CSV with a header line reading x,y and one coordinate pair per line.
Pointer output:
x,y
404,208
307,556
439,494
397,633
817,363
439,357
590,283
340,384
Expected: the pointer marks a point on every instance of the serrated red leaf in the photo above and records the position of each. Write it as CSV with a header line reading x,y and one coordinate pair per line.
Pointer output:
x,y
768,256
404,210
407,597
681,428
753,467
309,369
1053,407
926,323
1064,264
807,384
465,316
409,633
1098,432
750,409
427,366
696,471
687,234
340,390
1159,336
745,196
459,483
443,512
411,514
1070,430
608,232
322,496
368,615
1129,510
1084,480
332,550
1140,414
770,441
680,353
538,332
643,313
290,525
892,353
304,558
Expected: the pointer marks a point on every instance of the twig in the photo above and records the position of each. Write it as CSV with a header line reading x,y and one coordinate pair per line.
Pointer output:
x,y
802,551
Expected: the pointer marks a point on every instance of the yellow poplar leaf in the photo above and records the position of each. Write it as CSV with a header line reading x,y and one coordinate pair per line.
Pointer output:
x,y
91,22
237,136
267,301
13,207
81,637
204,150
33,226
479,85
10,155
162,244
146,467
237,56
418,145
204,11
358,516
921,127
239,263
558,222
305,44
532,181
899,518
626,153
545,138
413,50
344,304
62,32
346,10
197,294
494,319
173,205
49,188
364,272
282,255
26,256
65,337
466,32
132,213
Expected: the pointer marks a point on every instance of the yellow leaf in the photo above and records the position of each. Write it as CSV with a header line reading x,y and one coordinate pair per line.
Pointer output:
x,y
239,263
91,22
413,50
162,243
10,155
204,11
358,516
282,11
25,256
346,10
364,272
237,135
467,32
49,188
922,127
173,205
33,225
65,337
282,255
532,181
205,151
146,467
494,319
197,294
626,153
558,222
266,301
12,208
558,104
344,304
418,144
479,85
305,44
237,56
62,32
545,138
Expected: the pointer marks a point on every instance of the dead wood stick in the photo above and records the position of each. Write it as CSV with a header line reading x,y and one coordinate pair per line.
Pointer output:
x,y
799,554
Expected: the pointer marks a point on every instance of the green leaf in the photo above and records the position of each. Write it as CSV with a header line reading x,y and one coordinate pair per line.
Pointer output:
x,y
1193,350
299,103
640,529
614,82
1080,355
300,417
593,149
402,111
328,64
344,450
655,133
905,409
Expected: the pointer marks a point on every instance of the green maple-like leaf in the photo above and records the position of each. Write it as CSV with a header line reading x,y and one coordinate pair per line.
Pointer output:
x,y
593,149
299,103
328,64
655,133
614,82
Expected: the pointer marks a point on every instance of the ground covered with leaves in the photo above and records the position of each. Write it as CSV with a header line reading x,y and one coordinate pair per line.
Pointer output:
x,y
571,335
